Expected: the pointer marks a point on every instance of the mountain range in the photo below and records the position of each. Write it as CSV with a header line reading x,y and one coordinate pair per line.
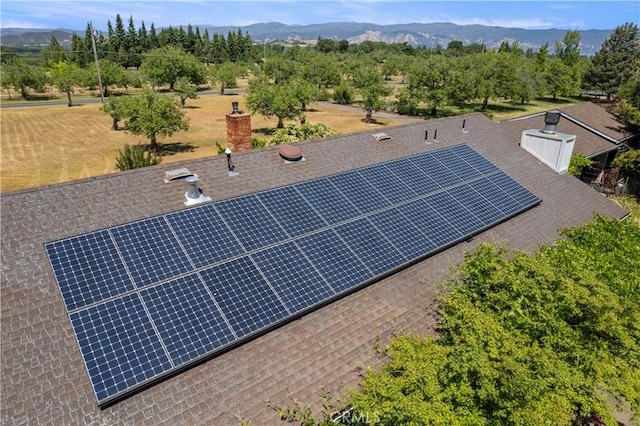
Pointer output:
x,y
417,34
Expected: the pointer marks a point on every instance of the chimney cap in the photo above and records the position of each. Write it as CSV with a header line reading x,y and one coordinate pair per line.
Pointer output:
x,y
551,120
234,105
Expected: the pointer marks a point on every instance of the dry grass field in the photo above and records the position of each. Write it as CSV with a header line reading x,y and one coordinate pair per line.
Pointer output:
x,y
42,145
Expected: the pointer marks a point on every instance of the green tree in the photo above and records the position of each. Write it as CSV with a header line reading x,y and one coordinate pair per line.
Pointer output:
x,y
524,339
185,91
166,65
226,74
66,77
629,162
151,115
111,74
577,163
270,100
53,52
372,89
22,77
307,131
616,61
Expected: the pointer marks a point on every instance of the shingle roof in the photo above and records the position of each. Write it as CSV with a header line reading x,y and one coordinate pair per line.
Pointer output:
x,y
43,378
597,131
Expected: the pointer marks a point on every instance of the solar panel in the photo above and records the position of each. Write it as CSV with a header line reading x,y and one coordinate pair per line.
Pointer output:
x,y
479,207
245,298
250,222
410,174
402,233
359,191
296,216
388,183
371,247
456,164
291,275
189,322
150,250
204,235
88,269
332,205
149,298
119,345
431,223
460,217
437,171
336,262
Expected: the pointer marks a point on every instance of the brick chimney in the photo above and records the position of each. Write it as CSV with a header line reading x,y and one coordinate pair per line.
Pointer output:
x,y
238,130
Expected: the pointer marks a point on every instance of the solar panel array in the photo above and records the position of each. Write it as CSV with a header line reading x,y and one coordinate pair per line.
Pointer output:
x,y
150,298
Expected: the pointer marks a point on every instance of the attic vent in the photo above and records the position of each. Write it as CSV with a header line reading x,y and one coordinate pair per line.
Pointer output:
x,y
177,174
381,136
290,153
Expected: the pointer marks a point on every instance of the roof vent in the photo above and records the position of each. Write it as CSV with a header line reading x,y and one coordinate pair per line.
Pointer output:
x,y
291,154
194,194
551,119
381,136
177,174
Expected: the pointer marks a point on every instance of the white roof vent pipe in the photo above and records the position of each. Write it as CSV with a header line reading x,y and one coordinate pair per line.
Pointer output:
x,y
194,194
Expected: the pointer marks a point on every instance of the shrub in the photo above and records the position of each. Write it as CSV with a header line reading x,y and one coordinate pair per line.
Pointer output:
x,y
304,132
577,163
135,158
343,94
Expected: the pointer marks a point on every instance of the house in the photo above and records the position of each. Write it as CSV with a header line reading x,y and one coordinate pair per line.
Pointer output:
x,y
599,137
44,379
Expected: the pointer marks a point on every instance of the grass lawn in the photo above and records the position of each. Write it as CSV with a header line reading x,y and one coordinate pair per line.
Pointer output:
x,y
42,145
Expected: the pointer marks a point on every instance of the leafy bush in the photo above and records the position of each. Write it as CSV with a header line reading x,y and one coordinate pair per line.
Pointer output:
x,y
548,338
577,163
136,157
343,94
292,133
629,162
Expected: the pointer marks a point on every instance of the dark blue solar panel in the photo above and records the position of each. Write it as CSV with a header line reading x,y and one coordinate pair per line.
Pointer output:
x,y
364,196
150,251
402,233
436,227
244,297
458,215
335,261
476,160
204,235
515,190
388,183
456,164
119,345
250,222
371,247
153,296
291,275
296,216
327,200
411,174
437,171
88,269
189,322
499,198
479,207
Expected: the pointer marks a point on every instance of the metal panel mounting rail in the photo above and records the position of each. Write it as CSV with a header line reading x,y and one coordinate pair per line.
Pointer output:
x,y
152,298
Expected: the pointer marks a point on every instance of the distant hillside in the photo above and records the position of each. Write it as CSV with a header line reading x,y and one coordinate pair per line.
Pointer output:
x,y
414,34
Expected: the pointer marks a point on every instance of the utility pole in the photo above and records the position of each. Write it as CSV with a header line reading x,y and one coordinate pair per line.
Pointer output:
x,y
95,57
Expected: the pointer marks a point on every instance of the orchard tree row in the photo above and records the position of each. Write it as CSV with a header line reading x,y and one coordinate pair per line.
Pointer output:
x,y
428,81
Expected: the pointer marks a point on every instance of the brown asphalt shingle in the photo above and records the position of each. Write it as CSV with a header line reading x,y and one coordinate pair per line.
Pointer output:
x,y
43,380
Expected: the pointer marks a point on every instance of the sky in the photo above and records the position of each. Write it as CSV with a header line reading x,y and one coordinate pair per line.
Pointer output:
x,y
75,14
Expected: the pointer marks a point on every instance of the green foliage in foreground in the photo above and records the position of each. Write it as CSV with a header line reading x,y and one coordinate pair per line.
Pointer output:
x,y
135,158
535,339
308,131
577,163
